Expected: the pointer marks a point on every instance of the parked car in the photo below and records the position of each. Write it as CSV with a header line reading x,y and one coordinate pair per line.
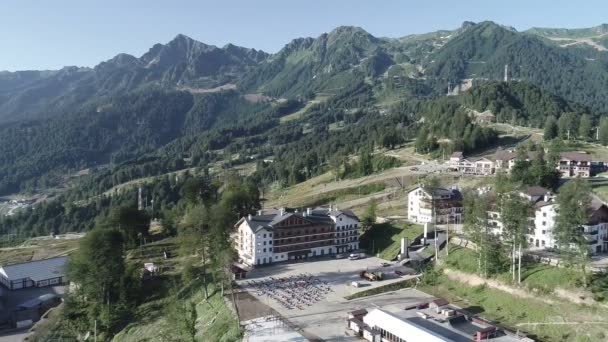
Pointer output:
x,y
371,276
385,264
399,273
355,284
340,256
354,256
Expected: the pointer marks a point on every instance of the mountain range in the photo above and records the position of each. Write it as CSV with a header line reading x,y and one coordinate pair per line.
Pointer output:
x,y
186,93
320,64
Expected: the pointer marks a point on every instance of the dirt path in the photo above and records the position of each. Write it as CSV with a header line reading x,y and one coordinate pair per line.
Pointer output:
x,y
573,296
475,280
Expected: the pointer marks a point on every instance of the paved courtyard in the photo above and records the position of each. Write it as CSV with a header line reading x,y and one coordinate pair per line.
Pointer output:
x,y
324,316
270,329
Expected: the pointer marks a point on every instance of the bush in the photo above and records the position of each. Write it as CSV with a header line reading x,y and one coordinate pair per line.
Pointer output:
x,y
430,276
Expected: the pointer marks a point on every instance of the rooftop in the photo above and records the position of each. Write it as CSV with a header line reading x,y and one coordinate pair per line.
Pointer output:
x,y
36,270
457,155
436,327
269,218
575,156
599,214
454,193
536,191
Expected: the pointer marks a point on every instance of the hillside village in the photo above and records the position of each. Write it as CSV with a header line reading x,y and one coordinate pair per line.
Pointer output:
x,y
321,261
569,164
447,186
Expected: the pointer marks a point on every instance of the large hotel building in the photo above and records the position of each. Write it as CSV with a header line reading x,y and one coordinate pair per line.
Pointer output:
x,y
276,235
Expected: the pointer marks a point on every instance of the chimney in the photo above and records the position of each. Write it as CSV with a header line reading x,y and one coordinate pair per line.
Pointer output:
x,y
282,211
260,212
308,211
249,217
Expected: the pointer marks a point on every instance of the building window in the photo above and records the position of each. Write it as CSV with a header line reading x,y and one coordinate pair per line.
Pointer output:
x,y
264,251
544,232
544,223
264,236
264,243
270,242
544,214
270,235
276,257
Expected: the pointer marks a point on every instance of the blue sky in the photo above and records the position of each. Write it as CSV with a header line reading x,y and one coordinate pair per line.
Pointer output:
x,y
51,34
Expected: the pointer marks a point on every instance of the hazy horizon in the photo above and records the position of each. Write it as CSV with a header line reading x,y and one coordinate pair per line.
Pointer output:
x,y
43,36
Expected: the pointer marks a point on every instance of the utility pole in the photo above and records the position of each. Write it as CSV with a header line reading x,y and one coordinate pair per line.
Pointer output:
x,y
597,133
436,249
373,247
447,239
519,269
95,331
140,201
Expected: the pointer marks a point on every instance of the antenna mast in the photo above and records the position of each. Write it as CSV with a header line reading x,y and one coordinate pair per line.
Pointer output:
x,y
140,200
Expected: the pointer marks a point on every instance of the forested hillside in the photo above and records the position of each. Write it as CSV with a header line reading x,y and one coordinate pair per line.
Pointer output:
x,y
520,103
114,130
484,50
309,108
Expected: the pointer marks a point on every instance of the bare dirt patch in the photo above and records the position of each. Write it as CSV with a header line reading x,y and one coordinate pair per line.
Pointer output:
x,y
228,86
255,98
577,41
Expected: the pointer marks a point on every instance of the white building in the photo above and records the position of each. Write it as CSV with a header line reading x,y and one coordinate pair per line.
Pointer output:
x,y
392,328
277,235
40,273
570,164
544,219
447,205
472,165
427,323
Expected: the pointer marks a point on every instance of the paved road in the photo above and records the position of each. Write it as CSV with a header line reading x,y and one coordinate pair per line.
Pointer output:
x,y
16,336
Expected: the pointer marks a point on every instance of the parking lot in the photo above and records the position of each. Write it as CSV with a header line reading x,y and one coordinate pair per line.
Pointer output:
x,y
323,314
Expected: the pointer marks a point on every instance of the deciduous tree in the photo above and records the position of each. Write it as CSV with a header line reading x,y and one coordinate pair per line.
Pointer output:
x,y
574,201
584,127
551,129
